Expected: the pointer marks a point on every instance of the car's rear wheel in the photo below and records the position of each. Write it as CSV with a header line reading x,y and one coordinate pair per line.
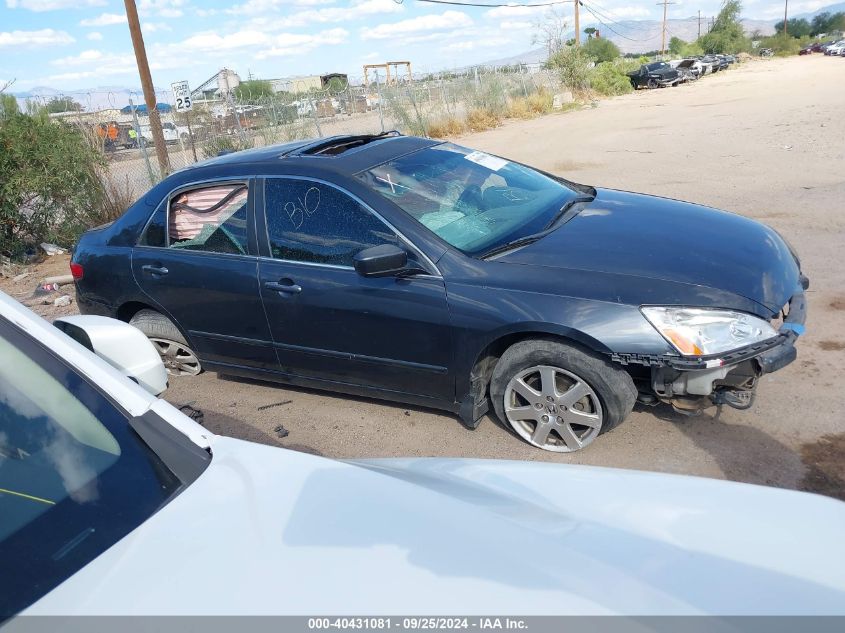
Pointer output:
x,y
558,397
178,358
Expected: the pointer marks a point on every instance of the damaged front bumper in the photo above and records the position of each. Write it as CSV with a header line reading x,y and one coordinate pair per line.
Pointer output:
x,y
694,383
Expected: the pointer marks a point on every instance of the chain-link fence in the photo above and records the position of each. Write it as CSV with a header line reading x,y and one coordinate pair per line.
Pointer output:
x,y
429,105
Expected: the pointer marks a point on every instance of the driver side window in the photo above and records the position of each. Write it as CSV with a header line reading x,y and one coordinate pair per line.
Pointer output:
x,y
211,219
308,221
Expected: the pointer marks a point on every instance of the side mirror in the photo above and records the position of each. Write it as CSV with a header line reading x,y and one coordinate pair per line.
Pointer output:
x,y
380,261
122,346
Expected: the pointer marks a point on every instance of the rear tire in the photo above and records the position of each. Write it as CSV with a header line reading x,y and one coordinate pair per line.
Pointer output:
x,y
558,397
178,358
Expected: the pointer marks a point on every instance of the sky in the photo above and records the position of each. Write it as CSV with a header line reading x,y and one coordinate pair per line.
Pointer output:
x,y
79,44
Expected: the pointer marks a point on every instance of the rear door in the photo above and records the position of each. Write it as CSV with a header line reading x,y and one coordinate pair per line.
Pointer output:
x,y
330,323
196,261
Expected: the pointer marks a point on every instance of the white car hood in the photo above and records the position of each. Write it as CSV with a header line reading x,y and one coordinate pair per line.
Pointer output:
x,y
266,531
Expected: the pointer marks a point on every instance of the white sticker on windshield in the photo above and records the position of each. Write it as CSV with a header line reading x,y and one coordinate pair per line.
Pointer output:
x,y
492,163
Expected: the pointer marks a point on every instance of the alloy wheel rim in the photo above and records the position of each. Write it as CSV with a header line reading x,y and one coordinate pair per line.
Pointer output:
x,y
553,409
178,359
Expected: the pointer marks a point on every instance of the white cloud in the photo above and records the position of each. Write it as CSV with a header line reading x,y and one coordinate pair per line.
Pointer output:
x,y
289,44
94,36
628,12
85,57
508,25
153,27
514,12
257,7
210,41
106,19
42,37
355,11
421,24
162,8
53,5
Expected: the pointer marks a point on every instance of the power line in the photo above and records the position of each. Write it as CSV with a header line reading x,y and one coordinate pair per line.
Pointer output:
x,y
610,28
607,15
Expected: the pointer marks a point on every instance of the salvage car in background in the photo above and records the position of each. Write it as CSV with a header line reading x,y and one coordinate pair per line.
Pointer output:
x,y
112,502
654,75
409,269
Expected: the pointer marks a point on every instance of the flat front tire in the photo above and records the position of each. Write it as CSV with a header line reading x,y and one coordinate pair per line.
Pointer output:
x,y
557,397
178,358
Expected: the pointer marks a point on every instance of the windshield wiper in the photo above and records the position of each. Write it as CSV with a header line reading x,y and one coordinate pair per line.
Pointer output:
x,y
517,243
569,210
566,213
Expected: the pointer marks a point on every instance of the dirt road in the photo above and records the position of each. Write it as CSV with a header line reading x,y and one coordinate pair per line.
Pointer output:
x,y
766,140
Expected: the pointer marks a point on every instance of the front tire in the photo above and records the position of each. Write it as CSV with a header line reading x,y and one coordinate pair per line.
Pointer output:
x,y
178,358
557,397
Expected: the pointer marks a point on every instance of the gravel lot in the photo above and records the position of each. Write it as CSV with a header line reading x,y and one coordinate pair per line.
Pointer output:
x,y
766,140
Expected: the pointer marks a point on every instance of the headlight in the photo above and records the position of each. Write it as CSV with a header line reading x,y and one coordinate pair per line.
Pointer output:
x,y
701,331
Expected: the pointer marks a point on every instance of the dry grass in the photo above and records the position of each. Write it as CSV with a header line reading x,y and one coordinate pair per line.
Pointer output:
x,y
450,126
480,119
540,102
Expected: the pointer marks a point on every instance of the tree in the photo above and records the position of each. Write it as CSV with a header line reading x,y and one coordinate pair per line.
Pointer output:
x,y
253,90
8,105
796,27
51,182
336,85
676,46
549,30
62,104
827,22
601,49
590,31
726,35
573,64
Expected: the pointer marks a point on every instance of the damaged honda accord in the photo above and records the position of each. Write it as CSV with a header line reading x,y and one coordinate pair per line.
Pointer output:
x,y
420,271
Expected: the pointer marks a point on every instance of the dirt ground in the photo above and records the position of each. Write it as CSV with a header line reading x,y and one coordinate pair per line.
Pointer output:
x,y
766,140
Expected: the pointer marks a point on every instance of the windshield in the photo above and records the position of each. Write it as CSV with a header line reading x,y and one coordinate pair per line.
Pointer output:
x,y
74,476
472,200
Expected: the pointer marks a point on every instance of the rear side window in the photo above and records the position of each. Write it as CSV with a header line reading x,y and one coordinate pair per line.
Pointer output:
x,y
311,222
211,219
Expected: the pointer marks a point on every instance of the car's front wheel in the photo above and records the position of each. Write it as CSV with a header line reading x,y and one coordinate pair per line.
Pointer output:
x,y
178,358
558,397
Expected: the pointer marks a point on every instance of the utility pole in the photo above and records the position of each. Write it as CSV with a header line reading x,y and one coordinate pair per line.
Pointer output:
x,y
699,23
577,23
785,5
147,86
665,4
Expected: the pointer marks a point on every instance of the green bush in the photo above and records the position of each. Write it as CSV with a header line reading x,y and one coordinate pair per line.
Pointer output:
x,y
50,183
227,143
611,79
573,65
782,45
727,34
601,49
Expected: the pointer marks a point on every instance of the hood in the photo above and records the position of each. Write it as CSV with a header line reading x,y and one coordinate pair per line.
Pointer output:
x,y
662,239
268,531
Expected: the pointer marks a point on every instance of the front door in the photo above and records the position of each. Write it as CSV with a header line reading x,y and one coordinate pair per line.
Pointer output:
x,y
331,324
197,264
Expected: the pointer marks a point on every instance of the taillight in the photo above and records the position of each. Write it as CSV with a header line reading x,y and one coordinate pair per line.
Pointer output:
x,y
76,271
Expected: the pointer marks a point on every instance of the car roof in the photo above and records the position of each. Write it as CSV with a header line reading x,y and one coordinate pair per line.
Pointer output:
x,y
347,153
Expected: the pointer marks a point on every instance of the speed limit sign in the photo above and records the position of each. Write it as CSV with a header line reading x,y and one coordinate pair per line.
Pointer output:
x,y
182,95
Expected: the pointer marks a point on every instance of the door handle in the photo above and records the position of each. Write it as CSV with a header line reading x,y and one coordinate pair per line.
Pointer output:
x,y
288,288
154,270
